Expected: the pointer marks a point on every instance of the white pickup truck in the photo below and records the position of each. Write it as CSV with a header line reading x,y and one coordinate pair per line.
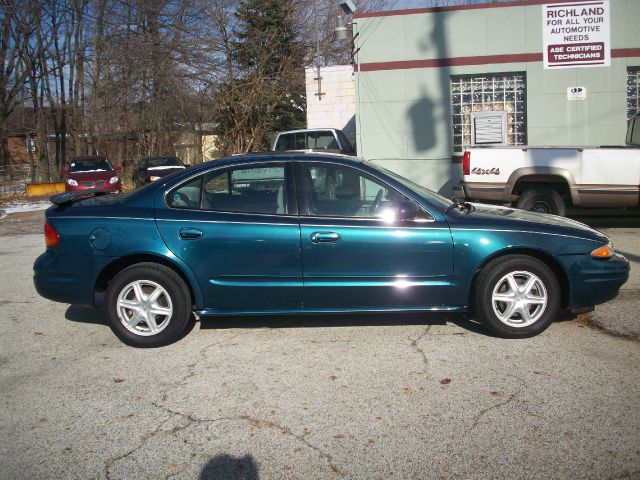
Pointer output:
x,y
549,179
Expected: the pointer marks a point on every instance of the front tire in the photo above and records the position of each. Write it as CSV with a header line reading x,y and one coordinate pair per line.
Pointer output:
x,y
542,200
516,296
148,305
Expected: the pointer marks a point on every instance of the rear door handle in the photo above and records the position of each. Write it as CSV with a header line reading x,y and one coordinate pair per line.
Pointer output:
x,y
325,237
190,233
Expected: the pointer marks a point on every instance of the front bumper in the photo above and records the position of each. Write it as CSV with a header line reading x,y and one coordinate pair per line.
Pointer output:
x,y
594,281
107,187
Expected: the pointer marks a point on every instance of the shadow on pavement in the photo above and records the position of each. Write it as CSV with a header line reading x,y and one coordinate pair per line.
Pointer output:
x,y
608,221
632,257
334,320
466,321
82,314
97,316
226,467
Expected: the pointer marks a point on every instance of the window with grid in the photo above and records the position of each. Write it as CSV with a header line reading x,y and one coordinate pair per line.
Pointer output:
x,y
633,92
488,93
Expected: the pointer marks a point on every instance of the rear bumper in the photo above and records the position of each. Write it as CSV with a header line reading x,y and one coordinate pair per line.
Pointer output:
x,y
485,191
61,279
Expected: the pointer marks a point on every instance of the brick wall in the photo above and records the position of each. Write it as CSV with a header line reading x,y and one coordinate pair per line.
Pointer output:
x,y
337,107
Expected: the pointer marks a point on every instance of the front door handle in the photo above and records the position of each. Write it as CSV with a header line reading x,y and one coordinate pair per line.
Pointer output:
x,y
325,237
190,233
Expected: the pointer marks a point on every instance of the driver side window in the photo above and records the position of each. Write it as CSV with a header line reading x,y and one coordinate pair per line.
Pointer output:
x,y
339,191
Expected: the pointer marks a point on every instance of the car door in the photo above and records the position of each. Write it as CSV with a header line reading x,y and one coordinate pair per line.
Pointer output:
x,y
354,257
237,229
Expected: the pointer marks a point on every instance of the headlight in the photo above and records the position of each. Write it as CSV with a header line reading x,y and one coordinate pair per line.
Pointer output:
x,y
72,182
603,252
113,180
153,178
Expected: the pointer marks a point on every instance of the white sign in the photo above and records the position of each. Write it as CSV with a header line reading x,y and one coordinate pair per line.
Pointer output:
x,y
576,34
576,93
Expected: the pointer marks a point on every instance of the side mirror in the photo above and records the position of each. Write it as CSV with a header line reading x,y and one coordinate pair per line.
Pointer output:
x,y
118,168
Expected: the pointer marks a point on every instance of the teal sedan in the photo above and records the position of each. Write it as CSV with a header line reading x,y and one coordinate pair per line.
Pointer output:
x,y
308,232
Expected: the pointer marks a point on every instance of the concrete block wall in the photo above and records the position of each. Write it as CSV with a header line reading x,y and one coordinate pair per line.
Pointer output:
x,y
337,107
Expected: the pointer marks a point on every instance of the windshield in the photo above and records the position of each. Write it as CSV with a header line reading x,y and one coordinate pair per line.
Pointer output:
x,y
150,162
438,200
90,165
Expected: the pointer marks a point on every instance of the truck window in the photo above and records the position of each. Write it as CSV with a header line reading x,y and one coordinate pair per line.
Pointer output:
x,y
285,142
325,140
633,132
301,141
346,145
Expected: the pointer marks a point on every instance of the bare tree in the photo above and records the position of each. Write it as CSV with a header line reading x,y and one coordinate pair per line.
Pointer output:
x,y
12,70
139,73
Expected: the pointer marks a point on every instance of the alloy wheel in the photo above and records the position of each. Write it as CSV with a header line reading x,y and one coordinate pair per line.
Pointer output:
x,y
144,307
519,299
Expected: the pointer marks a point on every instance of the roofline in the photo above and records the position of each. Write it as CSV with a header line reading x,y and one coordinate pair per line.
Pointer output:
x,y
453,8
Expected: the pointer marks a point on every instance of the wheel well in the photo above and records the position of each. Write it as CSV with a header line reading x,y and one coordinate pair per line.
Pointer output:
x,y
111,270
547,259
553,182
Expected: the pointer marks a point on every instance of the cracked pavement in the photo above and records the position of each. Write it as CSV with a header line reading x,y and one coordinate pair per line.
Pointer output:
x,y
372,396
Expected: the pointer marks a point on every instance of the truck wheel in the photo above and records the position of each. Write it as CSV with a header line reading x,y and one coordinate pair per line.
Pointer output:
x,y
516,296
543,200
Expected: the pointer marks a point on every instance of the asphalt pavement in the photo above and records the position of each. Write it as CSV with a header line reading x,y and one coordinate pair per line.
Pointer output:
x,y
372,396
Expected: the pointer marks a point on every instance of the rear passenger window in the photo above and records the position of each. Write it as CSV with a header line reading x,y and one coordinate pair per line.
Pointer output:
x,y
247,190
186,195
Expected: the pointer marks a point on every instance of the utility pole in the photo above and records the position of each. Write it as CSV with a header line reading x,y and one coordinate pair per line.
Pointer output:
x,y
318,76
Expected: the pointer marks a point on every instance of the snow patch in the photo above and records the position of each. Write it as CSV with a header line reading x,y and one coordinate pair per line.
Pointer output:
x,y
16,206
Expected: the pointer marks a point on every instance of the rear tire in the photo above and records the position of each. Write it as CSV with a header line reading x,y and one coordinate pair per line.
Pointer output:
x,y
516,296
148,305
543,200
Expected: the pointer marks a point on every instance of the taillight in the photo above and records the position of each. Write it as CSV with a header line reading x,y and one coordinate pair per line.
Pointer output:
x,y
51,237
466,163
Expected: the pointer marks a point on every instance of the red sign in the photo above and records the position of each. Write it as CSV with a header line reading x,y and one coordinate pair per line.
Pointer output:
x,y
576,53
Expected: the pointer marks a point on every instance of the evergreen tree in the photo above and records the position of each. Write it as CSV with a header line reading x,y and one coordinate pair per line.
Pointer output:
x,y
267,93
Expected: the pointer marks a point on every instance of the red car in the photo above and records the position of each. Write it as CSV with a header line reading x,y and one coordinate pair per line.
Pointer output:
x,y
93,172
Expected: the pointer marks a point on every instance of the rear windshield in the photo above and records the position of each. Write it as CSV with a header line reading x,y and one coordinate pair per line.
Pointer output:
x,y
90,165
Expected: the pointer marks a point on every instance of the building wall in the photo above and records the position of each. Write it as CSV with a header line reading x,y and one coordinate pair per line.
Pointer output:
x,y
337,107
406,60
210,148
